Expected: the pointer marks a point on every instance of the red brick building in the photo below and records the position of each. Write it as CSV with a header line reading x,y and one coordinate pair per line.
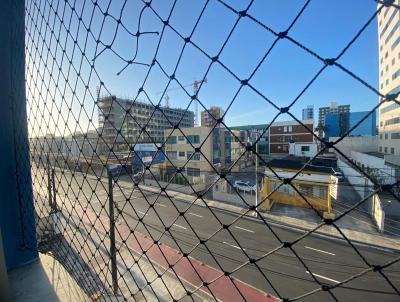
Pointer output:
x,y
281,133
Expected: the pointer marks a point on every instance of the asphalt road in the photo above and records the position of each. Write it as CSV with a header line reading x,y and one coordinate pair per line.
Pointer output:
x,y
281,273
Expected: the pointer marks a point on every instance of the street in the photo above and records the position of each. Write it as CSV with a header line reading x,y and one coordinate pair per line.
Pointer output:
x,y
330,261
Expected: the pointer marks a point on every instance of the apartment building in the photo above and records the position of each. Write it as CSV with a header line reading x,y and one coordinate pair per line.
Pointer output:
x,y
180,153
389,79
121,121
209,118
252,133
341,110
222,149
281,134
308,113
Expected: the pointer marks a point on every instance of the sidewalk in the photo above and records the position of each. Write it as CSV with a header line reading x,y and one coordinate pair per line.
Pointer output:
x,y
149,271
45,280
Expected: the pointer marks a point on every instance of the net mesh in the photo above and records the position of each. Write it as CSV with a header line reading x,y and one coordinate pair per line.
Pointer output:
x,y
131,225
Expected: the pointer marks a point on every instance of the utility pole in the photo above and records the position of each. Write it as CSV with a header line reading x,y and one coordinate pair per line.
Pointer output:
x,y
113,253
256,201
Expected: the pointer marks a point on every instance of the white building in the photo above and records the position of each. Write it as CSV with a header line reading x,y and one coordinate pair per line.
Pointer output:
x,y
389,78
303,150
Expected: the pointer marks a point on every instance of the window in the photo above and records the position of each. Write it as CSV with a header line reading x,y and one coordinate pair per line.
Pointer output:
x,y
385,149
392,32
290,129
390,108
181,138
171,140
392,150
387,68
285,129
387,23
380,149
392,121
181,154
193,172
395,135
194,139
305,148
386,135
171,155
380,136
396,74
393,61
196,156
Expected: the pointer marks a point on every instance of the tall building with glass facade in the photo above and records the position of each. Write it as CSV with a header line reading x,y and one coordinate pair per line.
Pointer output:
x,y
389,78
342,110
337,124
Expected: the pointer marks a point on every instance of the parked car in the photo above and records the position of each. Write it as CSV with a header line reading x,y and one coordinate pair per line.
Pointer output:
x,y
118,169
245,186
339,175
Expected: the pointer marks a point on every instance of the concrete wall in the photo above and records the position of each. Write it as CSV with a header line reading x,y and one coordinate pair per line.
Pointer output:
x,y
364,187
375,166
362,144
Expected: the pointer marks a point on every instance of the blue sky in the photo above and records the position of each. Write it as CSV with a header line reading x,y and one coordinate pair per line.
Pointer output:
x,y
325,27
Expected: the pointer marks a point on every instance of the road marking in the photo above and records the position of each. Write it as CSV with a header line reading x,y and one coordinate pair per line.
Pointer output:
x,y
322,277
194,214
143,213
321,251
234,246
161,205
247,230
179,226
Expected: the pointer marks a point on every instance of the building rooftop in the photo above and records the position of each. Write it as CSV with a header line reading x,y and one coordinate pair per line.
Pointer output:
x,y
249,127
315,178
140,102
292,122
293,164
376,154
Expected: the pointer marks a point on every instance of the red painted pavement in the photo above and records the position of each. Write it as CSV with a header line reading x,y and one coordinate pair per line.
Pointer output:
x,y
187,268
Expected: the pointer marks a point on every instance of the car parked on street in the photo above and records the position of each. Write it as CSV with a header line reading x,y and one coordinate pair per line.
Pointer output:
x,y
339,175
245,186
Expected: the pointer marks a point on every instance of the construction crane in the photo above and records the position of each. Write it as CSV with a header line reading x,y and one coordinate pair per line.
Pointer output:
x,y
195,85
196,103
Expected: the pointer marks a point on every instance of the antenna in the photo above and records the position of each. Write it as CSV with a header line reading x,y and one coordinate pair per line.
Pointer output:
x,y
97,93
166,98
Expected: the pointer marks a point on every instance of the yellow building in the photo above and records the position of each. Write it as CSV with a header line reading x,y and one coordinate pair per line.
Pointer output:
x,y
316,184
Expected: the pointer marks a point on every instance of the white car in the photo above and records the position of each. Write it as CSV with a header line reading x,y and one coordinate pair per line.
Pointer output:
x,y
244,186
